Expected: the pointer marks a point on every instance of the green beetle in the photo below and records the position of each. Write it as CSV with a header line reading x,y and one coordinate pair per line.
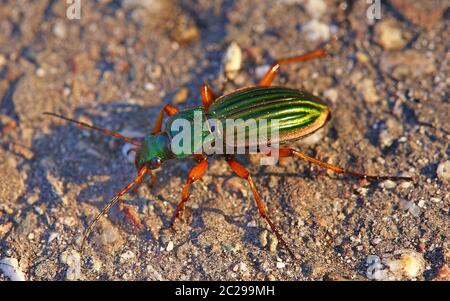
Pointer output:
x,y
297,113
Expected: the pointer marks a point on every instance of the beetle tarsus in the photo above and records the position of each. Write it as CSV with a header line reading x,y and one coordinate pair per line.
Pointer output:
x,y
243,173
289,152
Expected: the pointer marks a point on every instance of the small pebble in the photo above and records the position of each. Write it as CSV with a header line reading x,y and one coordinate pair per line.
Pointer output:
x,y
263,238
388,184
73,260
368,90
443,171
109,238
316,8
10,268
261,70
232,60
169,246
331,94
149,87
181,95
127,256
96,264
281,265
273,244
421,203
413,264
60,30
317,31
4,228
404,264
389,35
414,210
251,224
186,31
2,60
376,241
243,267
40,72
52,237
405,185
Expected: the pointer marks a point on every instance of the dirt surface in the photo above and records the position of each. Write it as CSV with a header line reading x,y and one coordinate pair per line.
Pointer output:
x,y
385,80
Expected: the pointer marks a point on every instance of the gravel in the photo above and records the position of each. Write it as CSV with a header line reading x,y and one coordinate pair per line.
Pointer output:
x,y
386,82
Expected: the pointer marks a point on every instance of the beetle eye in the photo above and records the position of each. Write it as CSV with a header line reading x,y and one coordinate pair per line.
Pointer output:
x,y
155,162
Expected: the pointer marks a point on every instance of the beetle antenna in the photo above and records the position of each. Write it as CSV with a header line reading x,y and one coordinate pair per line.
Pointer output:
x,y
93,127
133,184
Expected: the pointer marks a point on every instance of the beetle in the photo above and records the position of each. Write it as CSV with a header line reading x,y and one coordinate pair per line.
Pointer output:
x,y
299,114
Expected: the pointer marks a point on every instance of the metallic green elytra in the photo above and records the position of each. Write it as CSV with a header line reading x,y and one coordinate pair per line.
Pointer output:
x,y
298,113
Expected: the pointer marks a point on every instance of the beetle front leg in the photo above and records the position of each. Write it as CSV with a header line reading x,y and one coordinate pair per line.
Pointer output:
x,y
114,200
195,174
289,152
243,173
170,110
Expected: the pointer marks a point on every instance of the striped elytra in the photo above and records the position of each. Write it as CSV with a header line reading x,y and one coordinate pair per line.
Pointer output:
x,y
298,113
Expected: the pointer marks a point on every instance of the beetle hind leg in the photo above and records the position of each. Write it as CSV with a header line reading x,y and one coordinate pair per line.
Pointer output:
x,y
289,152
275,68
243,173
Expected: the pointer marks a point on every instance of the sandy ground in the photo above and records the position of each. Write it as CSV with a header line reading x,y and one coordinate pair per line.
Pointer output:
x,y
385,80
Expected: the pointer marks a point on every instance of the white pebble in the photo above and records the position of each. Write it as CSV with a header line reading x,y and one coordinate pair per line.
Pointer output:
x,y
421,203
169,246
251,224
405,185
149,87
10,268
388,184
2,60
281,265
316,8
411,264
232,60
73,260
376,241
316,30
261,70
60,30
127,256
443,171
414,210
40,72
331,94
